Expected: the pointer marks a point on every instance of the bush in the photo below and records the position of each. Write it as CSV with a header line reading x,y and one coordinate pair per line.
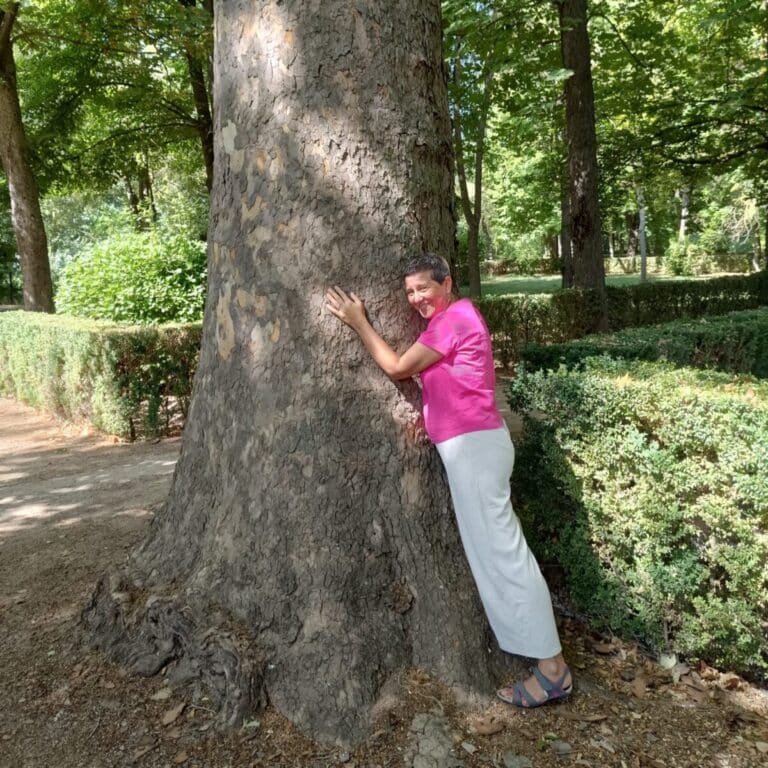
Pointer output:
x,y
136,277
648,486
688,257
515,321
124,380
736,342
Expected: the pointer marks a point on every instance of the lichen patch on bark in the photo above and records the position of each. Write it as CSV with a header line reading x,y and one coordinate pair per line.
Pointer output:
x,y
225,328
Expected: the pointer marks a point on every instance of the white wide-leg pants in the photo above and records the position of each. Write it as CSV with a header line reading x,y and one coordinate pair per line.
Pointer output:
x,y
513,591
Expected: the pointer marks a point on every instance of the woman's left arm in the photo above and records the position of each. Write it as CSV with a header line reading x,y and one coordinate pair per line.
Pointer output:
x,y
351,310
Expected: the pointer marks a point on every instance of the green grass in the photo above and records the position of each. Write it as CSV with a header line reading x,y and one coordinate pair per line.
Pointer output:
x,y
506,284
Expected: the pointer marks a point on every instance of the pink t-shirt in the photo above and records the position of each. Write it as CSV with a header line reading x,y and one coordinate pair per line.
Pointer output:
x,y
459,390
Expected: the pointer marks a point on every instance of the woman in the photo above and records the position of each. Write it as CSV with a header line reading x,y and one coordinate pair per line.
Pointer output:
x,y
454,359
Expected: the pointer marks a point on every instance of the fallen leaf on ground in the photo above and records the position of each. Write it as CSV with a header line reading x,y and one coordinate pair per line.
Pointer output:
x,y
162,694
139,753
561,747
174,733
745,716
577,716
487,726
696,695
690,682
181,757
603,744
651,762
761,746
731,682
638,686
604,648
173,713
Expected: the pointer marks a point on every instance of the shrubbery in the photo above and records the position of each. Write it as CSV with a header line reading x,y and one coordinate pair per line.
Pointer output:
x,y
515,321
124,380
648,486
736,342
136,277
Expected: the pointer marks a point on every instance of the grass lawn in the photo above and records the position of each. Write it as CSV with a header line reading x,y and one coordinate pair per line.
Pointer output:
x,y
505,284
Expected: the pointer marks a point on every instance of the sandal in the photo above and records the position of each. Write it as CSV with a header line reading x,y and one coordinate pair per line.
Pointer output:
x,y
522,697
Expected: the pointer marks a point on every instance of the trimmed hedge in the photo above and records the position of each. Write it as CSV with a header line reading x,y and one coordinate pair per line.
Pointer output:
x,y
515,321
648,486
736,342
125,380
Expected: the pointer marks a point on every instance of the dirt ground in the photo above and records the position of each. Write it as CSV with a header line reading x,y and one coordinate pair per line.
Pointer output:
x,y
72,503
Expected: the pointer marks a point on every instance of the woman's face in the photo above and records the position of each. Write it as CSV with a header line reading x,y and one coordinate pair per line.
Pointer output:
x,y
426,295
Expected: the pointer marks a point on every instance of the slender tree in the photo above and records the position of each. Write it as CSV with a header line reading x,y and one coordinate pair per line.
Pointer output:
x,y
28,224
585,232
200,92
306,553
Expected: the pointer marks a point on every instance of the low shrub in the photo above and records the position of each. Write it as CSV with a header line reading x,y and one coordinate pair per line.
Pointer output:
x,y
736,342
125,380
136,277
515,321
647,486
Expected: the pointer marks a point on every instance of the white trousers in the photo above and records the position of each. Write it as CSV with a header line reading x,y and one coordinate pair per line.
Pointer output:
x,y
513,591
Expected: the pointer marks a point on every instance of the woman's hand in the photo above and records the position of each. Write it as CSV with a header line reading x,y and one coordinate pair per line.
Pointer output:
x,y
348,308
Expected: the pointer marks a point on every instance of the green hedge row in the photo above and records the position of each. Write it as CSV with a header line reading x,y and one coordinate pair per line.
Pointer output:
x,y
125,380
736,342
647,486
515,321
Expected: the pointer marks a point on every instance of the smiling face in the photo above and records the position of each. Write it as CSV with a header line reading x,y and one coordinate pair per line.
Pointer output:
x,y
426,295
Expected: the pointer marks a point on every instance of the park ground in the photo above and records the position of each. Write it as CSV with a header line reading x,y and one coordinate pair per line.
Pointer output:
x,y
73,503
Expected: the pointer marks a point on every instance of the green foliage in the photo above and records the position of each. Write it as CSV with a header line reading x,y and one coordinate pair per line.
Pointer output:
x,y
137,277
515,321
736,342
686,257
124,380
102,83
648,487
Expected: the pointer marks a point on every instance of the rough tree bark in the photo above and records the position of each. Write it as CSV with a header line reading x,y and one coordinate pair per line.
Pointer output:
x,y
588,267
28,226
307,553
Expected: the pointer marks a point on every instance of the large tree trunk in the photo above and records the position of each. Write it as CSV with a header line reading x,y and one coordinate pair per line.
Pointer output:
x,y
28,226
588,266
307,553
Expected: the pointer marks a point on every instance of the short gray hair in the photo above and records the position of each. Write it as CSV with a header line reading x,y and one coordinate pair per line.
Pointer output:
x,y
428,262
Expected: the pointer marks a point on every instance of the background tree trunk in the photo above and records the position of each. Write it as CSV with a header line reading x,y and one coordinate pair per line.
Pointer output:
x,y
588,267
28,226
641,235
202,106
307,553
566,255
473,210
632,219
685,201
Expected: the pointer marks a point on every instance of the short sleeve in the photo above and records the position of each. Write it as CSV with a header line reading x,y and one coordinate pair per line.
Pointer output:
x,y
440,335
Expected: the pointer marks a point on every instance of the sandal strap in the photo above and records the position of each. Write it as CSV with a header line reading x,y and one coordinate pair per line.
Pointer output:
x,y
551,687
524,696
